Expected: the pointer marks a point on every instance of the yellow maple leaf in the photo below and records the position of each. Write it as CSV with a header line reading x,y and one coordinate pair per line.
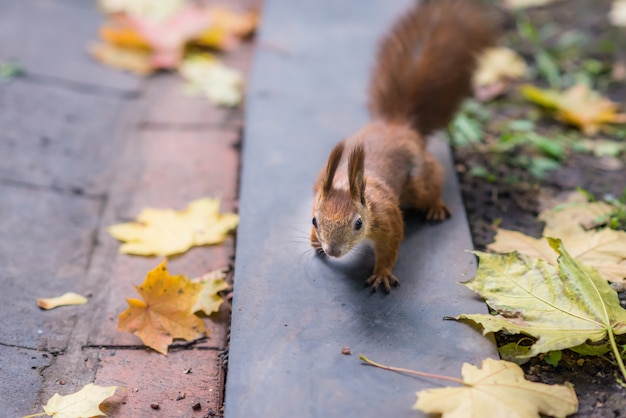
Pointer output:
x,y
166,232
135,60
84,403
69,298
497,390
578,105
165,313
209,285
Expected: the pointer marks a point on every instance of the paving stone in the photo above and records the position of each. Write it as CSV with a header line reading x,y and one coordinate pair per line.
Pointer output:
x,y
20,381
46,240
51,38
53,137
166,169
293,312
153,379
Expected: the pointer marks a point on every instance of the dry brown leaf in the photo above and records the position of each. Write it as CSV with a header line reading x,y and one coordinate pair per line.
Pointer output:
x,y
576,212
496,68
84,403
497,390
166,311
69,298
578,105
604,250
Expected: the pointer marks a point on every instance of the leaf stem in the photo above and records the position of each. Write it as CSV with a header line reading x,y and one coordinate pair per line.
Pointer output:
x,y
422,374
616,353
35,415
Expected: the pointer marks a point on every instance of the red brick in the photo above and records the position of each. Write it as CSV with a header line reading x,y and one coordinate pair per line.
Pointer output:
x,y
151,378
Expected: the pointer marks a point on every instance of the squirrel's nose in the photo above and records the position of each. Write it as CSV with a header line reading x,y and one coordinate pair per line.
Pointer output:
x,y
333,251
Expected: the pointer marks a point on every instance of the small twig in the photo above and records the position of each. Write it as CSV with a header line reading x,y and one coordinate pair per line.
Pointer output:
x,y
409,371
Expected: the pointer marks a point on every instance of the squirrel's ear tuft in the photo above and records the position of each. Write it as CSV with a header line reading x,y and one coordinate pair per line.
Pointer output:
x,y
331,167
356,173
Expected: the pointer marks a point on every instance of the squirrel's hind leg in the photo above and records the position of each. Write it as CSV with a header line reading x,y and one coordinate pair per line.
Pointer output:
x,y
423,190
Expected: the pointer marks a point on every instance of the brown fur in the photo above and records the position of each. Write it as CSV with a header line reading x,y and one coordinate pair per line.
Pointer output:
x,y
422,72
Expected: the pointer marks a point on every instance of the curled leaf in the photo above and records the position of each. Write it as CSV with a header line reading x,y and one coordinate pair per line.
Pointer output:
x,y
69,298
84,403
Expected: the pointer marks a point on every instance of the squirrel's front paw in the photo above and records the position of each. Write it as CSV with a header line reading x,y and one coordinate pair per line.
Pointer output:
x,y
386,280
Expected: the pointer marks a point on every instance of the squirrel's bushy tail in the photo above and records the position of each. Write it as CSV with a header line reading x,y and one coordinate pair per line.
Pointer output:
x,y
425,63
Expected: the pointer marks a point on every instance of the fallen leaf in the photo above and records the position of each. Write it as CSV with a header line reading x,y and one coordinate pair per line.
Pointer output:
x,y
604,250
135,60
576,212
578,105
167,38
84,403
165,313
561,307
166,232
208,76
122,36
496,68
497,390
227,27
210,284
66,299
617,15
523,4
145,9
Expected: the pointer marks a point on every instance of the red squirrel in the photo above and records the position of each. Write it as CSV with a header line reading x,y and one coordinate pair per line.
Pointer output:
x,y
422,72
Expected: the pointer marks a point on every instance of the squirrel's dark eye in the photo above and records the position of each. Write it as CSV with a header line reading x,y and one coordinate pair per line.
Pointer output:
x,y
358,224
315,222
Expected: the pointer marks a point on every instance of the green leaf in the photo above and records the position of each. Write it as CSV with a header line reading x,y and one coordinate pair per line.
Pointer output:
x,y
561,307
548,68
553,358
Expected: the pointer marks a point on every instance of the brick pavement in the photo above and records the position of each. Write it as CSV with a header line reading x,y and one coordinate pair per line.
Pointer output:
x,y
83,147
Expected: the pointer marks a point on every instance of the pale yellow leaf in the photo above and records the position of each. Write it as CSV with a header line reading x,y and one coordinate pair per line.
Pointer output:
x,y
497,390
69,298
84,403
208,76
496,67
145,9
617,15
165,311
576,212
523,4
166,232
208,299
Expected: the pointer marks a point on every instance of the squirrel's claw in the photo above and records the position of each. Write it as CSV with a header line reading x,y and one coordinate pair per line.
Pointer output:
x,y
387,280
438,213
